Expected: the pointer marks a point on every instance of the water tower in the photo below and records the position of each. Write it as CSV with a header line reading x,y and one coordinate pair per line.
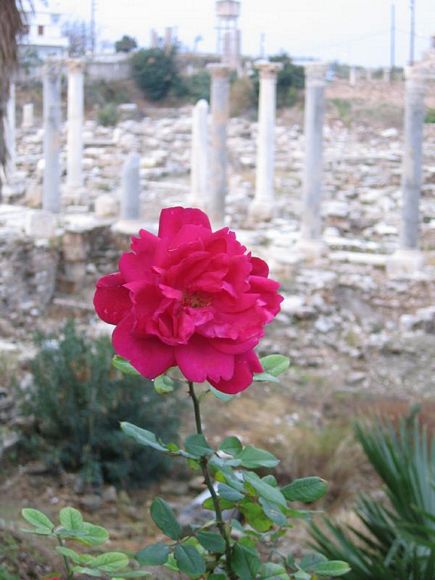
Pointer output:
x,y
228,33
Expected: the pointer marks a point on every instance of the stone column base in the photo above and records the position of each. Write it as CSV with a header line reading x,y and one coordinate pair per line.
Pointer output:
x,y
75,195
310,250
405,264
261,211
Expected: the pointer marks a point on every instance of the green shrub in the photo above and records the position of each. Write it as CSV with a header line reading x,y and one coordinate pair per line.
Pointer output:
x,y
78,401
155,72
100,93
430,116
395,536
125,44
193,87
108,116
291,79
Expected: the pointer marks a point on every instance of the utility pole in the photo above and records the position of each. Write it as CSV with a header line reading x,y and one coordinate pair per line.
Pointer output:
x,y
393,39
412,34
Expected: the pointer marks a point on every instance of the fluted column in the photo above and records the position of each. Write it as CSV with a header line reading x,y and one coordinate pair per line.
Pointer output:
x,y
262,207
220,96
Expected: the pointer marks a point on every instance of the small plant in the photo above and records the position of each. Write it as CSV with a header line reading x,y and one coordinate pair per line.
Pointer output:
x,y
78,402
430,116
108,115
73,529
395,536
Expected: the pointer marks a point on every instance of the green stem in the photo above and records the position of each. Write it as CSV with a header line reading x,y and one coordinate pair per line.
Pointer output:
x,y
68,571
205,472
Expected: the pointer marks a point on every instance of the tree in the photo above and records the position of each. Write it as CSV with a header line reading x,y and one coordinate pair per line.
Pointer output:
x,y
155,72
126,44
11,26
79,36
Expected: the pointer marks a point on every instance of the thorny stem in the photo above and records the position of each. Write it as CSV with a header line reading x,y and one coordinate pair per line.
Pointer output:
x,y
68,571
205,472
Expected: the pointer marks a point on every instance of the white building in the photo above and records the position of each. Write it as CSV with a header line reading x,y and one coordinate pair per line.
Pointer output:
x,y
43,36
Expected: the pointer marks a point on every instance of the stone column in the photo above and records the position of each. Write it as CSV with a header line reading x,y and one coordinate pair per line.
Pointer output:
x,y
408,260
311,243
28,116
199,158
130,188
387,72
10,137
220,96
352,76
262,207
52,136
75,129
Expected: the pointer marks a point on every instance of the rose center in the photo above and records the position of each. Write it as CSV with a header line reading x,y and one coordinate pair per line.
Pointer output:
x,y
195,300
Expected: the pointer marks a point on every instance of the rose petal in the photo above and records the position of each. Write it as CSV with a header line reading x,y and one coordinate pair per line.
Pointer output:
x,y
172,219
149,356
198,360
245,366
111,299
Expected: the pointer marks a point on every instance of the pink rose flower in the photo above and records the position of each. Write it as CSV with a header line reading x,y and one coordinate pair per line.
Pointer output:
x,y
191,298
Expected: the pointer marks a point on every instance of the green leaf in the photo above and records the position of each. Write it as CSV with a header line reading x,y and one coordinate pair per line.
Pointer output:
x,y
265,490
92,535
72,555
309,561
110,562
333,568
273,512
154,555
211,541
245,562
219,395
231,446
38,519
132,574
143,437
164,385
164,518
189,560
255,516
305,490
275,364
301,575
223,503
124,366
229,493
252,458
265,378
197,446
271,571
71,519
217,576
87,571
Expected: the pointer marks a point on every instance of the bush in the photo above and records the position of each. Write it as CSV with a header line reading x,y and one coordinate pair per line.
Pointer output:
x,y
101,93
78,401
155,72
430,116
394,538
291,79
108,116
243,97
193,87
125,44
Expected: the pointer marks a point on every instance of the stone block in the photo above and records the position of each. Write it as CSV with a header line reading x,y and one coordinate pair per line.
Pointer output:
x,y
40,224
106,206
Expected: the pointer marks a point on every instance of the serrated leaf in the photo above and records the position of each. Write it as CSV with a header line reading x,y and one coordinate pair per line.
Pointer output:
x,y
245,561
164,518
265,490
189,560
124,366
253,458
154,555
197,446
143,437
231,445
275,364
38,519
110,562
71,519
271,571
211,541
333,568
305,490
164,385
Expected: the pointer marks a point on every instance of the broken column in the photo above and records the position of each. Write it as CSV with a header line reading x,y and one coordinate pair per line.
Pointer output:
x,y
52,136
28,116
130,188
220,93
75,130
311,244
408,260
262,207
199,158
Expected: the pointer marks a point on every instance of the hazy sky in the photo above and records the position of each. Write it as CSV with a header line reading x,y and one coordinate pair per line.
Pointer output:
x,y
353,31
